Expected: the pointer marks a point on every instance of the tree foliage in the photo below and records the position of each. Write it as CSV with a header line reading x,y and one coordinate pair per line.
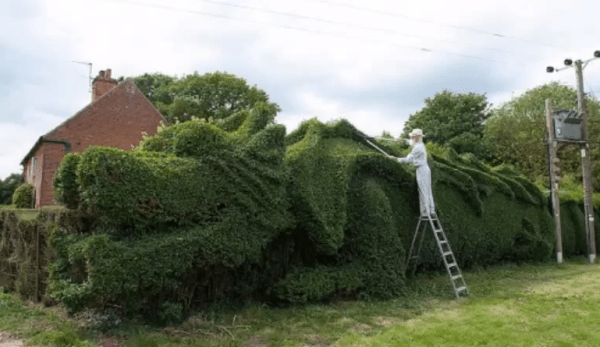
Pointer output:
x,y
517,129
215,95
8,186
454,120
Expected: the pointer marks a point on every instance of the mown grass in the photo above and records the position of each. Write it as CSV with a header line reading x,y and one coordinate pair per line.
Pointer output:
x,y
556,306
29,214
510,305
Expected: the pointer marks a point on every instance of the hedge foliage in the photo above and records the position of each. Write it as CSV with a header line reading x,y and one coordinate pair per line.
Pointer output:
x,y
23,196
235,208
19,247
359,210
194,199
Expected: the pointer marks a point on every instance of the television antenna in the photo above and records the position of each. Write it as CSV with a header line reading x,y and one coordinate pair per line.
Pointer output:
x,y
90,76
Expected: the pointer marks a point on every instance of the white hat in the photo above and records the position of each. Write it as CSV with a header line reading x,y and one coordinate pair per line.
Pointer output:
x,y
417,132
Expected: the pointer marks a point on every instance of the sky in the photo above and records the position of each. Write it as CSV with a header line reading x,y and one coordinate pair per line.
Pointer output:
x,y
371,62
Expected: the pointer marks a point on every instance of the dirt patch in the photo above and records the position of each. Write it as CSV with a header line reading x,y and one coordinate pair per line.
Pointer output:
x,y
361,328
110,341
385,321
344,321
7,341
317,340
255,341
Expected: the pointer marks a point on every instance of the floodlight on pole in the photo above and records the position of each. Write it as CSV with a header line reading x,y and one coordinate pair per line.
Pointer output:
x,y
551,69
569,63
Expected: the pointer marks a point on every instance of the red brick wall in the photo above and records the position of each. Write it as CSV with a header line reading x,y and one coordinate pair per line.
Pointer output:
x,y
52,155
116,120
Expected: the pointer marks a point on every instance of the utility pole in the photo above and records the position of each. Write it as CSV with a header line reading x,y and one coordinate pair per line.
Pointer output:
x,y
586,163
553,169
585,158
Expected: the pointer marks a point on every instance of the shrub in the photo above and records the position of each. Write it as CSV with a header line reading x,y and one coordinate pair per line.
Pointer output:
x,y
23,196
64,184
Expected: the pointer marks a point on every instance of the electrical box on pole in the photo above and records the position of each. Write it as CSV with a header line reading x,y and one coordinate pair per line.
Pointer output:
x,y
568,126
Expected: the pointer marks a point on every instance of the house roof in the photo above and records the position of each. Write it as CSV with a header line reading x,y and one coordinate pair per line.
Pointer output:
x,y
42,139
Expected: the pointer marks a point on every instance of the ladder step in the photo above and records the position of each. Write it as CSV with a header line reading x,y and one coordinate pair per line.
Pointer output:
x,y
441,239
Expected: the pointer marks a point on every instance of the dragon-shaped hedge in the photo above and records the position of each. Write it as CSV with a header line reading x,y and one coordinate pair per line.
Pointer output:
x,y
236,209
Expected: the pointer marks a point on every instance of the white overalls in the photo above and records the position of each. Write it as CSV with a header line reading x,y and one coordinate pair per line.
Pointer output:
x,y
418,157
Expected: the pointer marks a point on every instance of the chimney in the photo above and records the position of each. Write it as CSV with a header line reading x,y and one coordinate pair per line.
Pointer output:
x,y
102,84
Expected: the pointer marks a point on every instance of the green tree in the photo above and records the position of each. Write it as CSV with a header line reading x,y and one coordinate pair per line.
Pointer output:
x,y
7,188
517,129
454,120
212,95
154,86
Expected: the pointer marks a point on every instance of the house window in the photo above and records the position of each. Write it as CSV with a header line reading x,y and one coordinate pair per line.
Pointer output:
x,y
32,168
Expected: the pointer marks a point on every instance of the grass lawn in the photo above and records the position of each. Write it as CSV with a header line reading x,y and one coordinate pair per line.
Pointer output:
x,y
530,305
555,306
29,214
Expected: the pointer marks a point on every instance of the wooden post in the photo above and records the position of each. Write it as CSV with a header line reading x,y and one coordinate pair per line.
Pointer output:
x,y
552,145
37,264
587,168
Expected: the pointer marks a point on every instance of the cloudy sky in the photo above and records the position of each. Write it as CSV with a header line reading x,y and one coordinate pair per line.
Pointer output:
x,y
372,62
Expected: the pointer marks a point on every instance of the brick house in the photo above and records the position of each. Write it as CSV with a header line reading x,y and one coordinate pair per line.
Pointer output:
x,y
118,116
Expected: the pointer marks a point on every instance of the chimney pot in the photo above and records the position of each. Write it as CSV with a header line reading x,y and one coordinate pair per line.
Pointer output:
x,y
102,84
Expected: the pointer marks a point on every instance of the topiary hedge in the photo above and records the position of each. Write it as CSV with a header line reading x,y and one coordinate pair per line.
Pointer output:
x,y
234,209
359,210
187,215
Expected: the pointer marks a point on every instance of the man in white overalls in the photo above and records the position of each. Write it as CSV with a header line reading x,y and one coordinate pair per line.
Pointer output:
x,y
418,157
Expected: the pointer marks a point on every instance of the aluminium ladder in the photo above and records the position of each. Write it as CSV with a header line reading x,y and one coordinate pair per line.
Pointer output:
x,y
456,278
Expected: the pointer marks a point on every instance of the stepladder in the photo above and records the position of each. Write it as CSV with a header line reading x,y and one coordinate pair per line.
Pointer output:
x,y
459,286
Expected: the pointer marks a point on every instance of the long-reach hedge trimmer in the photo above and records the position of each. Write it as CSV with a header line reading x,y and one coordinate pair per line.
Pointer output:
x,y
368,138
377,148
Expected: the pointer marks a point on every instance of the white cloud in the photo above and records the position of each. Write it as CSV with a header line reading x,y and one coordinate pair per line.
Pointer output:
x,y
370,71
369,121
